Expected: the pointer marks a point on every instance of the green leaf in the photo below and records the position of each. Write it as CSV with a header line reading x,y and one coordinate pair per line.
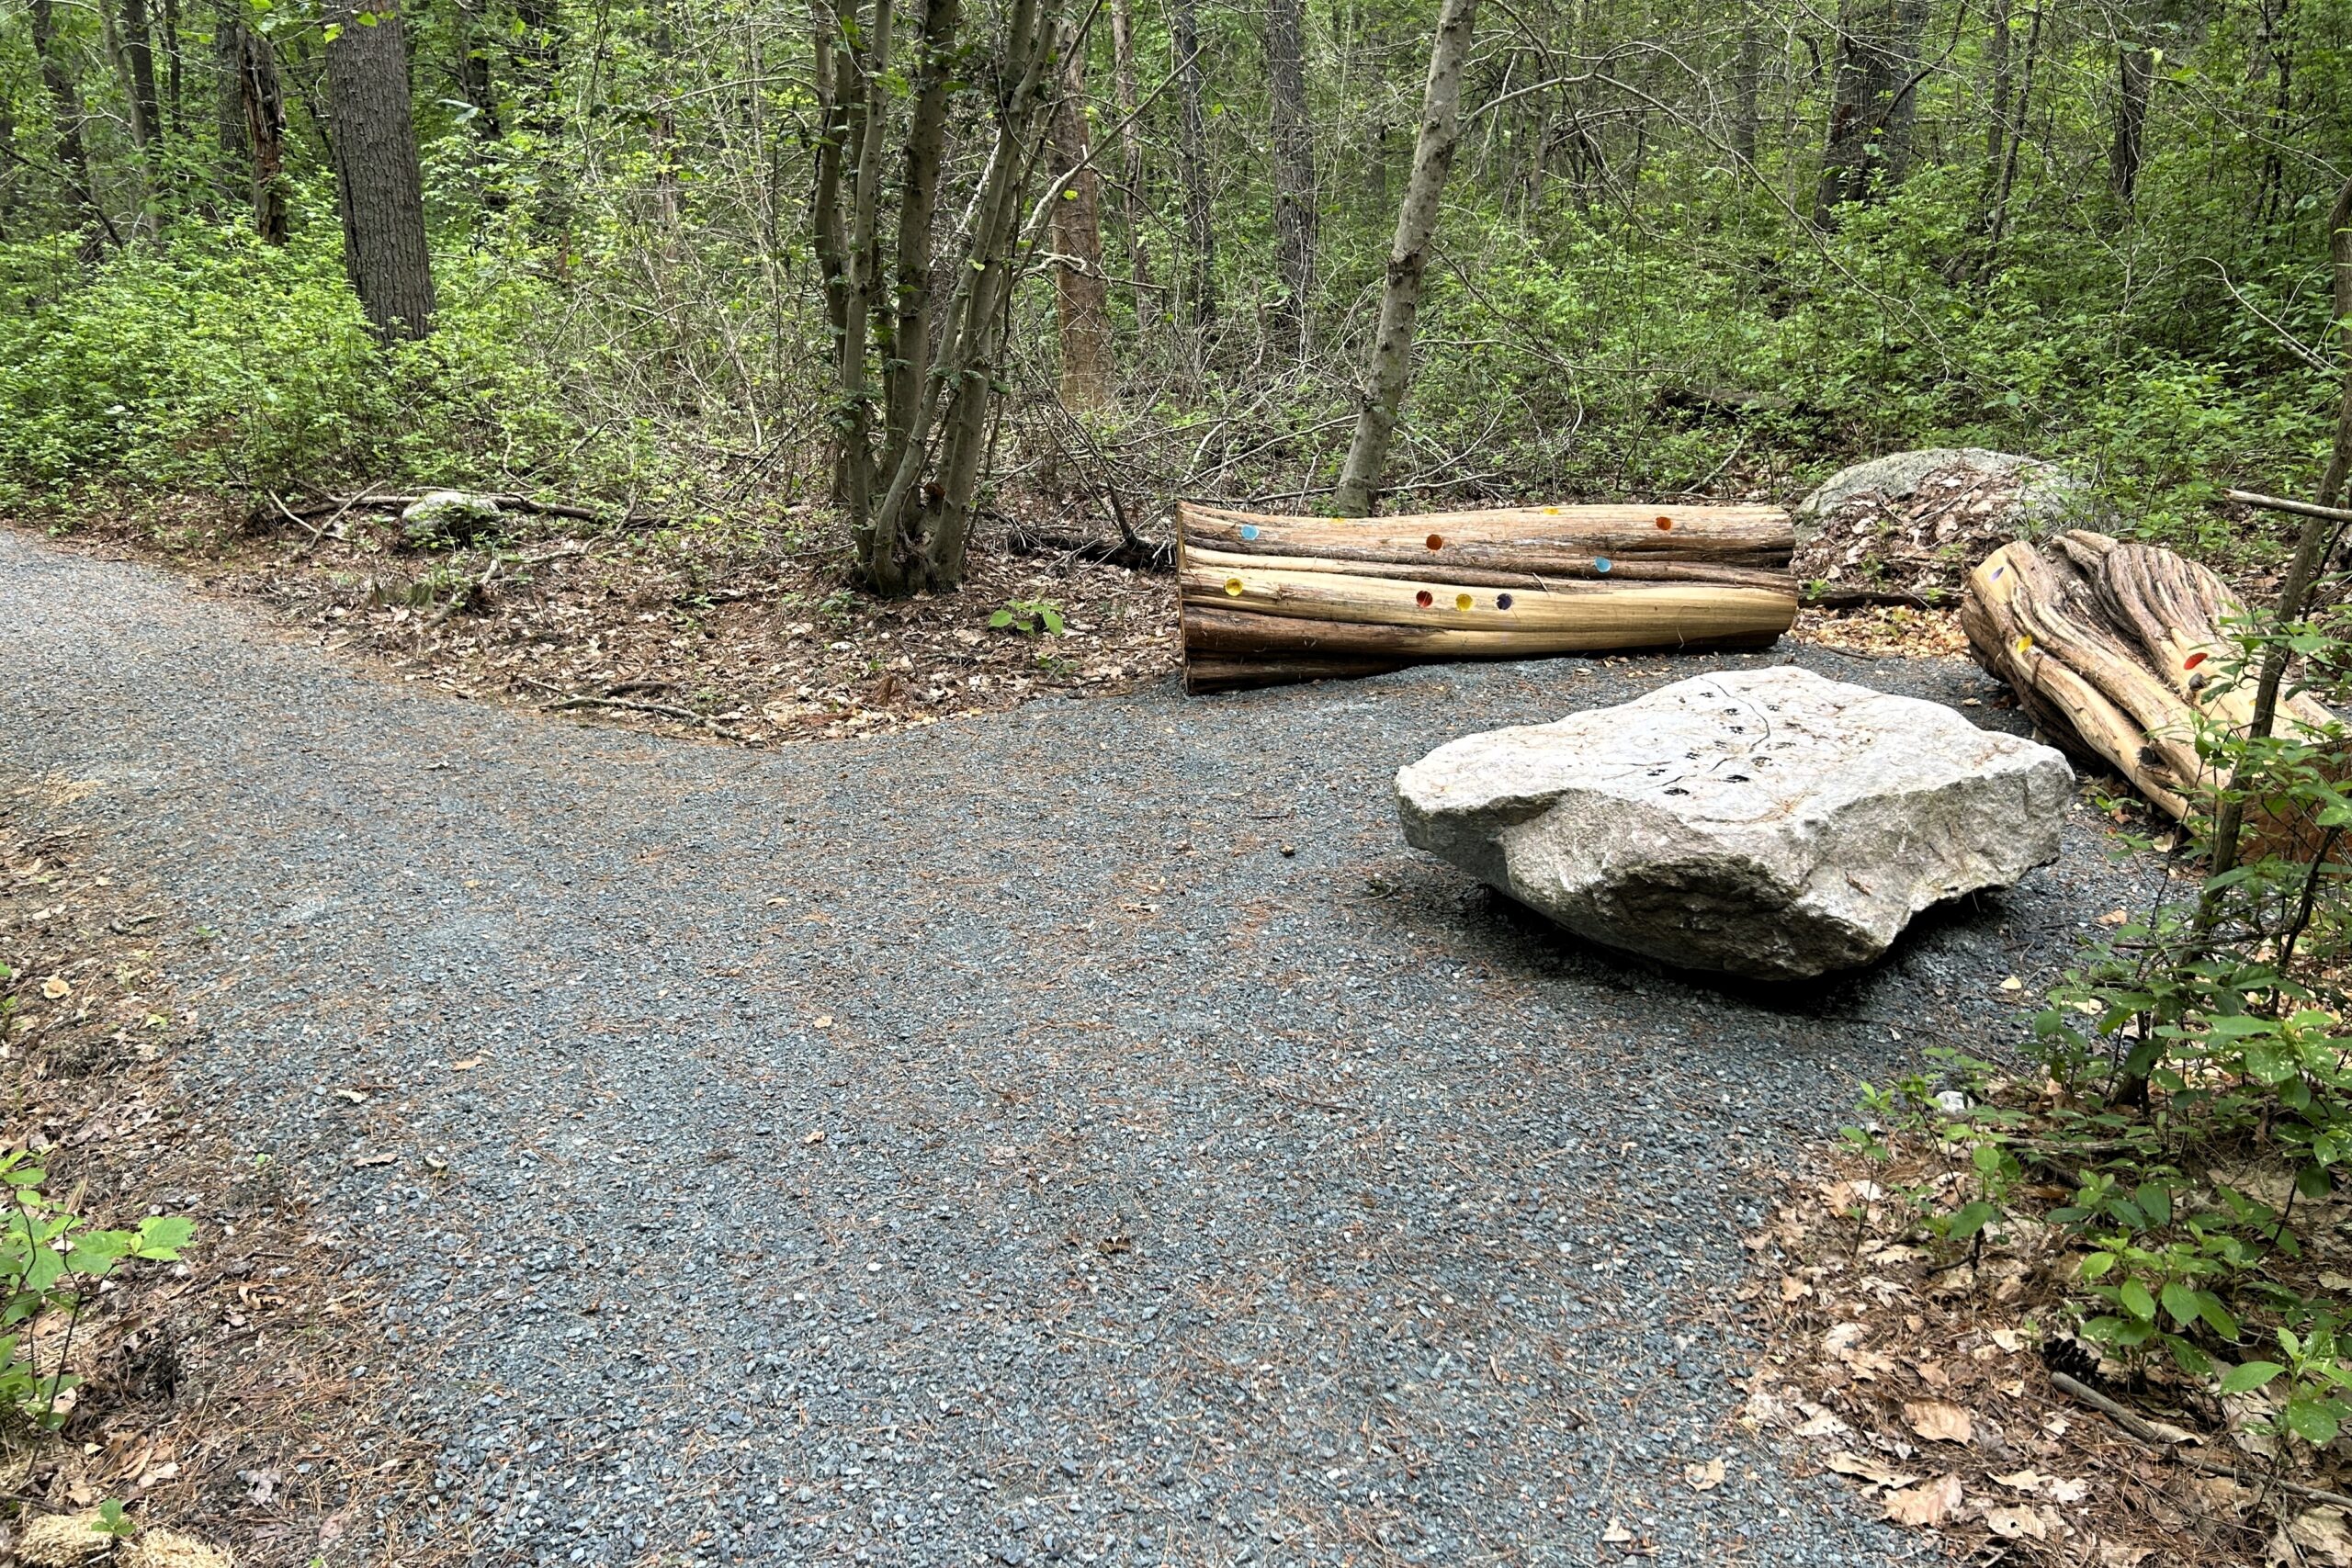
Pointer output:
x,y
1969,1219
2248,1376
2097,1263
2136,1300
2312,1421
2181,1301
2217,1317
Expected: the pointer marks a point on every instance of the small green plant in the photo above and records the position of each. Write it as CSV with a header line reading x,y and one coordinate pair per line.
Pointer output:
x,y
113,1521
1028,616
49,1258
2317,1373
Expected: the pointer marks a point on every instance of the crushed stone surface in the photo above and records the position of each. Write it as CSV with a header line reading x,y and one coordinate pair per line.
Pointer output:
x,y
984,1143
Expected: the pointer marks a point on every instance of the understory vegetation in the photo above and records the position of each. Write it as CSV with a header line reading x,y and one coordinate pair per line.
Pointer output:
x,y
1695,250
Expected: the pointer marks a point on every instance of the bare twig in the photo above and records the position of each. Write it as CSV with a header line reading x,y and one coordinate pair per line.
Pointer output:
x,y
2147,1434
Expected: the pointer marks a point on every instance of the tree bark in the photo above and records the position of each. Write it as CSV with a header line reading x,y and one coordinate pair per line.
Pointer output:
x,y
1293,149
1081,294
1747,83
1400,303
909,341
379,187
139,57
2135,71
1873,102
1200,227
175,102
65,104
1132,203
264,105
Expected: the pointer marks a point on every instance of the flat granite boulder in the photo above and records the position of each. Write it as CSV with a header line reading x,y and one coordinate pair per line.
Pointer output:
x,y
1768,823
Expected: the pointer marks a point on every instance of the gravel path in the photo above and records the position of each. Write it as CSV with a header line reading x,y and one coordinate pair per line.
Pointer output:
x,y
984,1144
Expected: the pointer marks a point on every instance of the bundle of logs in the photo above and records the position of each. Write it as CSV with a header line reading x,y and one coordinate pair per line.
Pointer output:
x,y
2115,650
1266,600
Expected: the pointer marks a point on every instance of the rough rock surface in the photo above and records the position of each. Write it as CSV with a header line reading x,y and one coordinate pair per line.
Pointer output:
x,y
449,516
2045,491
1768,823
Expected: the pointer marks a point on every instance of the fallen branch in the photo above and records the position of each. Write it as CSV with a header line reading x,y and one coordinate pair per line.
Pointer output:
x,y
340,504
1136,554
2147,1434
663,710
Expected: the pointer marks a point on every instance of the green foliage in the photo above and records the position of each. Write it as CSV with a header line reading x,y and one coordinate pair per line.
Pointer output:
x,y
49,1258
212,362
1028,616
112,1521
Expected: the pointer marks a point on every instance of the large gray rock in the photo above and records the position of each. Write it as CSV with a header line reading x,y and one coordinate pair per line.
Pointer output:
x,y
1766,822
444,517
2045,492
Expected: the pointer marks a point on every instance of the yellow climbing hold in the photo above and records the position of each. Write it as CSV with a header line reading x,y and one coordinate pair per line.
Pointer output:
x,y
1462,601
2025,641
1233,586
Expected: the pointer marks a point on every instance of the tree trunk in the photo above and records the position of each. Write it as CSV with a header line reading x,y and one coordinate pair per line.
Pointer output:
x,y
1265,600
910,343
175,102
380,187
2135,71
1999,86
264,125
1132,204
921,523
138,60
1873,102
65,104
1293,149
1746,82
1194,155
1082,295
1400,303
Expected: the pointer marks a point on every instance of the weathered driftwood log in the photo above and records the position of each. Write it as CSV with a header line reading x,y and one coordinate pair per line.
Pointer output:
x,y
1265,600
2115,650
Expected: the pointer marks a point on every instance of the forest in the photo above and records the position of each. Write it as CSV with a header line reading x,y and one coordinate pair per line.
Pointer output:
x,y
882,275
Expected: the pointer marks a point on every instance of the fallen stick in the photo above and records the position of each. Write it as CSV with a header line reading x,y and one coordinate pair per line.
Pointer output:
x,y
2147,1434
664,709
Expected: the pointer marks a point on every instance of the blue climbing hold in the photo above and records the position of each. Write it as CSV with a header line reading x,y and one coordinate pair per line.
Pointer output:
x,y
1601,563
1248,530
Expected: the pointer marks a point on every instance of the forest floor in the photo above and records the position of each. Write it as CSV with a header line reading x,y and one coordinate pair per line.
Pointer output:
x,y
981,1139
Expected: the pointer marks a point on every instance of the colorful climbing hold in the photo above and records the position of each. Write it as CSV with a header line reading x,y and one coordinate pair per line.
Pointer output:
x,y
1666,522
1424,599
1233,586
1502,600
1996,572
2192,661
1436,542
1248,530
1601,563
1462,601
2025,641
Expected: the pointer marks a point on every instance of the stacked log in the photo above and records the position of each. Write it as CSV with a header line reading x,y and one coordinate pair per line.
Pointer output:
x,y
2120,653
1266,600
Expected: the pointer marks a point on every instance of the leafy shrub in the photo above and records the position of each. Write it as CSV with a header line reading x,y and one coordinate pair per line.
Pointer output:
x,y
210,362
49,1258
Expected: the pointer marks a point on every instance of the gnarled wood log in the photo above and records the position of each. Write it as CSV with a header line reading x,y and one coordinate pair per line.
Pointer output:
x,y
1267,600
2119,653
